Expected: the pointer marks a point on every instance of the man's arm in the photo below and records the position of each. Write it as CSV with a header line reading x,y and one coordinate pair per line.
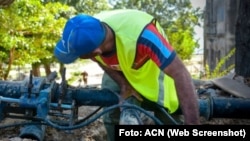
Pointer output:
x,y
185,91
126,89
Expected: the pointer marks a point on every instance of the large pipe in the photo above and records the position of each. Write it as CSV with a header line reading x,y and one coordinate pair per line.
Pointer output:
x,y
92,97
211,107
36,132
10,88
223,107
83,96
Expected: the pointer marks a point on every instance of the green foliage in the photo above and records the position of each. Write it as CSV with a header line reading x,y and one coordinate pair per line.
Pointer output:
x,y
178,19
92,6
5,3
218,71
85,6
29,30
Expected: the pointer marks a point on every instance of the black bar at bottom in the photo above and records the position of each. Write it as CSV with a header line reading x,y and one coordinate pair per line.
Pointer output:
x,y
173,132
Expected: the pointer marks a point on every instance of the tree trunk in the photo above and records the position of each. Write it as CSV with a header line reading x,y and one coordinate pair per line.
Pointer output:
x,y
47,68
5,3
36,69
242,55
8,69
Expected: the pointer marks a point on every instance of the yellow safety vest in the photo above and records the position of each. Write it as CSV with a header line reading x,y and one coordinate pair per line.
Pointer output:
x,y
148,80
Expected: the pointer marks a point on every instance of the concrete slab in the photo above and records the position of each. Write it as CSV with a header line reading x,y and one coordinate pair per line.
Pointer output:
x,y
233,87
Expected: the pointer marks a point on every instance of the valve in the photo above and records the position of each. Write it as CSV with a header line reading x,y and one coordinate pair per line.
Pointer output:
x,y
30,84
63,88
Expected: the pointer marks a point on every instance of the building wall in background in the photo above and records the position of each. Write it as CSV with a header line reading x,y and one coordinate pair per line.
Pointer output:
x,y
199,32
219,31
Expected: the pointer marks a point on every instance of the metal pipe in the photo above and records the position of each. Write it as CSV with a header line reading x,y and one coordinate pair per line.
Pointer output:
x,y
10,88
9,100
95,97
90,97
36,132
64,106
221,107
211,107
42,107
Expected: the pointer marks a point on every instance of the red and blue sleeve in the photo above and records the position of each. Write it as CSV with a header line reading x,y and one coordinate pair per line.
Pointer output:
x,y
156,46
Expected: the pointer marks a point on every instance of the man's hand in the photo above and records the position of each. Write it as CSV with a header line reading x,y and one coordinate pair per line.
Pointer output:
x,y
128,91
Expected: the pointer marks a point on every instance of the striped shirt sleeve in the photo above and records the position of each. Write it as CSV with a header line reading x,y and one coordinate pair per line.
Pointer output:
x,y
155,46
